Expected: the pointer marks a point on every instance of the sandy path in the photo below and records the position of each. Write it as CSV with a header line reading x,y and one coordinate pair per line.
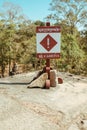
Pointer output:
x,y
61,108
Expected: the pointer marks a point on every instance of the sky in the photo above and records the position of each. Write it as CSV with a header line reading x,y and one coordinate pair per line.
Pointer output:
x,y
33,9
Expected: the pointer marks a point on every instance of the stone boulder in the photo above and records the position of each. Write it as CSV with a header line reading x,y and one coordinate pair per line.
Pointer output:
x,y
60,80
39,82
53,78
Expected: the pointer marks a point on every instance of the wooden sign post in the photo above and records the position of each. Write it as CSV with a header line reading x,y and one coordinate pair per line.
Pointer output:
x,y
48,45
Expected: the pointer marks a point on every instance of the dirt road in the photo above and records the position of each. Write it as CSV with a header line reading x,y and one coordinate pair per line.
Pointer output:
x,y
61,108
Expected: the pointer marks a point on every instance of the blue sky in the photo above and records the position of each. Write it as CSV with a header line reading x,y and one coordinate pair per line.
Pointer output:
x,y
34,9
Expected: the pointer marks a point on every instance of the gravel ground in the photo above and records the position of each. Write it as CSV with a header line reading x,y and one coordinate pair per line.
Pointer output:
x,y
63,107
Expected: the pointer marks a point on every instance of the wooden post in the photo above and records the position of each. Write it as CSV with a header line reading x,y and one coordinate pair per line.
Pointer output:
x,y
48,67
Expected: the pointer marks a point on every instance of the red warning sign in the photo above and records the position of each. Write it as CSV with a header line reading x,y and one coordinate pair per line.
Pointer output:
x,y
48,42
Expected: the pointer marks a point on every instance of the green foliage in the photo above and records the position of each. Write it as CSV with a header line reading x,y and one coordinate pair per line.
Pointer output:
x,y
72,56
39,23
74,12
70,15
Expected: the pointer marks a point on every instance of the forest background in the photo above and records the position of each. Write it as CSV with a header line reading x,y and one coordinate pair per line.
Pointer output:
x,y
18,37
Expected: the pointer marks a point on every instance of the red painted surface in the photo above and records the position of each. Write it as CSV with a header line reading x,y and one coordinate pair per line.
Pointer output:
x,y
48,55
60,80
48,29
48,68
48,42
47,84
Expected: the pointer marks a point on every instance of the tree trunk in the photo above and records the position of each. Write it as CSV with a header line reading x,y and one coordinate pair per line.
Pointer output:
x,y
2,70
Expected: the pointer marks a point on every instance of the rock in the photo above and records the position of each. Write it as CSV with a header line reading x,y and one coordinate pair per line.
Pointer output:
x,y
73,127
83,125
39,82
60,80
53,78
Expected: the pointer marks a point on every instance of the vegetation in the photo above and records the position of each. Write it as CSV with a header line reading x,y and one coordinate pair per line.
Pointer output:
x,y
71,15
18,36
